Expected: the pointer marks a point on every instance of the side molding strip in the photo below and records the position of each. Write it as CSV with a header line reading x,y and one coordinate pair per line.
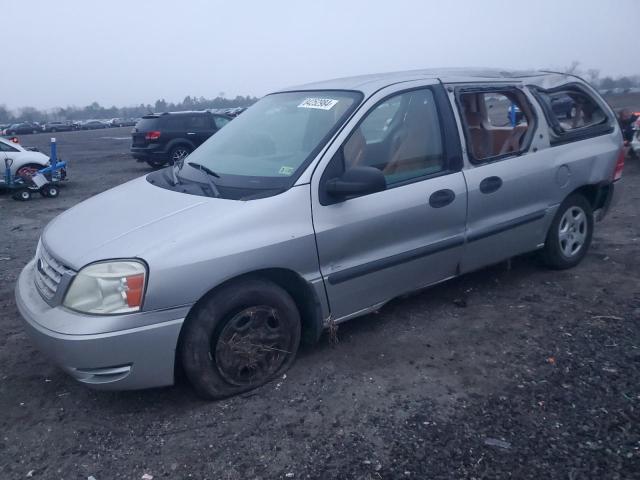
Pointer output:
x,y
504,226
370,267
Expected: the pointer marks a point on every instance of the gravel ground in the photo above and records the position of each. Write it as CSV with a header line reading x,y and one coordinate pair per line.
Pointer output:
x,y
511,372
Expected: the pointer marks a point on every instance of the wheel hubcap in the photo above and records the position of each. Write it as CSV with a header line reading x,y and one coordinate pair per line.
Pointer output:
x,y
252,346
572,231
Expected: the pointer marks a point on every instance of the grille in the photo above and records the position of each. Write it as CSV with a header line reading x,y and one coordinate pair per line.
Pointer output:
x,y
49,273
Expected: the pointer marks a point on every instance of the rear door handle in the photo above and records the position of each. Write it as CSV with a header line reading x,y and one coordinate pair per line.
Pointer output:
x,y
441,198
191,133
490,184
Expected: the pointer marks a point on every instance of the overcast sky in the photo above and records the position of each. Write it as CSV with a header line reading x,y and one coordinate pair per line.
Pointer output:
x,y
122,52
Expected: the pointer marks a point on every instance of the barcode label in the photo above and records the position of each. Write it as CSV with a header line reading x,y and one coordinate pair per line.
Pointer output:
x,y
319,103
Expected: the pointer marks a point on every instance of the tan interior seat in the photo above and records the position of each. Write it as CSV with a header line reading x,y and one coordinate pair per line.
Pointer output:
x,y
414,137
480,138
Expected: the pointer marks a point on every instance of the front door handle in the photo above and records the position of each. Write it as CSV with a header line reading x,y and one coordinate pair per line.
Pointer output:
x,y
191,133
490,184
441,198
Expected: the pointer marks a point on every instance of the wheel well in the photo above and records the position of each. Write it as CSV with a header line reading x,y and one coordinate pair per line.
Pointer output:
x,y
302,293
180,143
595,194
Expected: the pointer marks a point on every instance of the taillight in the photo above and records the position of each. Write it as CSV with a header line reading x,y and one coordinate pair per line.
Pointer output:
x,y
152,135
617,172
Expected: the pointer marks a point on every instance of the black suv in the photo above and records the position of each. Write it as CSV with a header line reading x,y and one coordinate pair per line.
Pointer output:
x,y
164,138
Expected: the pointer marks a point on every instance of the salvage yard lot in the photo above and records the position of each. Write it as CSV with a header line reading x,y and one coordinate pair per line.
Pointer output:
x,y
514,371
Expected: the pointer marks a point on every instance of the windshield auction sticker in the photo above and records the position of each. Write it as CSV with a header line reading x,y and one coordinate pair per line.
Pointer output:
x,y
285,170
319,103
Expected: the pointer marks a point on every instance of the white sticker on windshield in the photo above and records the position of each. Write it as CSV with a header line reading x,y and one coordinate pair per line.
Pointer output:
x,y
285,170
319,103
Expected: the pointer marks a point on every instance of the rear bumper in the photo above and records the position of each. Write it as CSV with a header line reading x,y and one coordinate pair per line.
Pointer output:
x,y
151,152
135,358
613,194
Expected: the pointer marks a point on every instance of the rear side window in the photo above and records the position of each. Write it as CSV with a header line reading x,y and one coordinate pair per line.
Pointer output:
x,y
174,123
572,113
497,123
199,122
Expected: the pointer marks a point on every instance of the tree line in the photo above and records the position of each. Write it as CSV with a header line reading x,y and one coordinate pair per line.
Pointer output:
x,y
97,111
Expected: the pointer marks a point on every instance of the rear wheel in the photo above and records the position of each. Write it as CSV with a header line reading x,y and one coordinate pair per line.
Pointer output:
x,y
569,236
178,154
240,338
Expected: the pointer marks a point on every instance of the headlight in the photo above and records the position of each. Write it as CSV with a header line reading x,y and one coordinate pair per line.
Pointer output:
x,y
108,287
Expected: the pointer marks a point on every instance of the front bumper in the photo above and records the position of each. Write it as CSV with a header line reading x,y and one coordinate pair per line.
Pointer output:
x,y
140,357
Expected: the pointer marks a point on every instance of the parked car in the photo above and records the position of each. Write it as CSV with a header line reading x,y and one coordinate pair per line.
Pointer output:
x,y
93,125
22,128
25,162
57,127
164,138
122,122
318,204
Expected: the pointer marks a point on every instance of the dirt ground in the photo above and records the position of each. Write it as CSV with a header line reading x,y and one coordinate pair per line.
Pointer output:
x,y
515,373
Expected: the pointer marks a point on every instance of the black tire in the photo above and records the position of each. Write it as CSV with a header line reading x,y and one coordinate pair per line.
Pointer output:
x,y
241,313
559,253
22,195
50,191
177,153
156,164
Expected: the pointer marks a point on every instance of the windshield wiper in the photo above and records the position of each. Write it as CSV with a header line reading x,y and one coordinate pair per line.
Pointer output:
x,y
208,173
199,166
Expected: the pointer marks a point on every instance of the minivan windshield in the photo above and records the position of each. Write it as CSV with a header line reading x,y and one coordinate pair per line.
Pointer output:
x,y
271,142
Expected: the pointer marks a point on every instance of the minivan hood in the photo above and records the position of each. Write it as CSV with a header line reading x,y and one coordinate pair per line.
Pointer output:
x,y
127,221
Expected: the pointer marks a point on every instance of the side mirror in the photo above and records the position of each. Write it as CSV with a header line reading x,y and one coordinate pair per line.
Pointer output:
x,y
357,181
8,162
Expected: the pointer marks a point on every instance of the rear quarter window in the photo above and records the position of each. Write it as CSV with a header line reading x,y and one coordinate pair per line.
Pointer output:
x,y
572,113
147,124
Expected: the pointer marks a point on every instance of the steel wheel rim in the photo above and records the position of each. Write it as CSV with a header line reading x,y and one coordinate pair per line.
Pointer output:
x,y
26,172
252,346
572,231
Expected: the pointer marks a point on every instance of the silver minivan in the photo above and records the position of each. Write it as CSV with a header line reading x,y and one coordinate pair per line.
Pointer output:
x,y
318,204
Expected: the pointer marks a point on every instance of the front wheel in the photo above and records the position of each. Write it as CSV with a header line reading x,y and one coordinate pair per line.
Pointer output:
x,y
241,337
569,236
27,171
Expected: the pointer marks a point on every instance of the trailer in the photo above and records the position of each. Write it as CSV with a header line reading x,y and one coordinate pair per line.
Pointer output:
x,y
46,180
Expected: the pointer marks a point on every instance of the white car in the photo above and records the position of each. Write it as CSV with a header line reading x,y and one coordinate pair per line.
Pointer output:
x,y
25,162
